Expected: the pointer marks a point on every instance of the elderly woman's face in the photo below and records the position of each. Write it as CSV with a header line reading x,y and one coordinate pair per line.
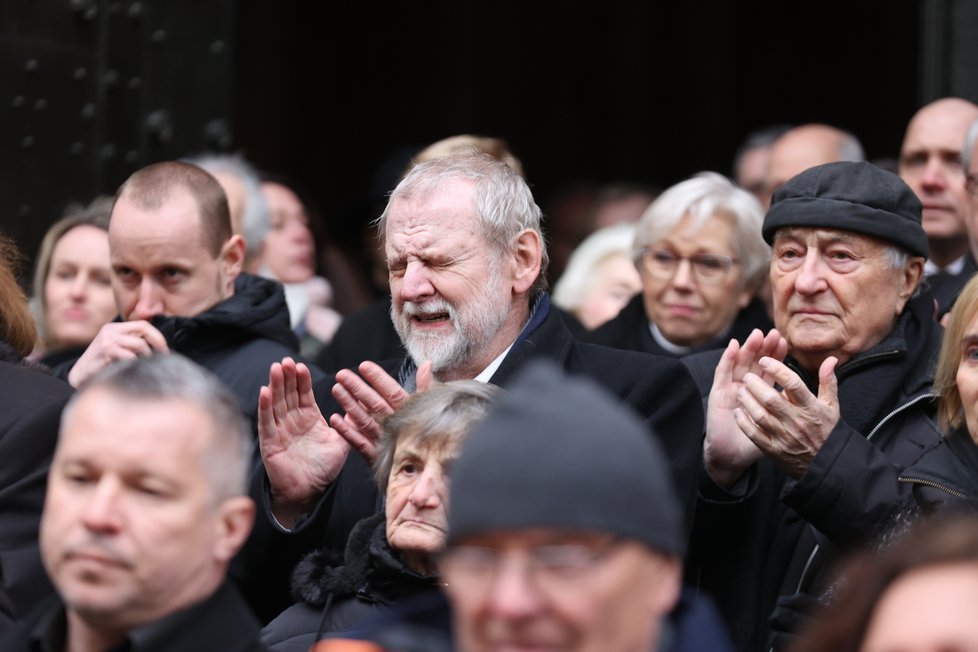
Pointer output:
x,y
417,498
967,376
693,304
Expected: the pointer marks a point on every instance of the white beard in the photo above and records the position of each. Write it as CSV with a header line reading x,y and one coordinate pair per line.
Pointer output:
x,y
473,326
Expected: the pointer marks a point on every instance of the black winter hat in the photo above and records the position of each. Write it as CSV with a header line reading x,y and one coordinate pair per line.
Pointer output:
x,y
851,196
559,452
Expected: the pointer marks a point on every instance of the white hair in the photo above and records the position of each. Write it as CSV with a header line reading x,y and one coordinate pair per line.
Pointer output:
x,y
172,376
578,276
699,198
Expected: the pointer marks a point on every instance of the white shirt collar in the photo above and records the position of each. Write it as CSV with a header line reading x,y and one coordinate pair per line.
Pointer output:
x,y
954,268
661,340
487,373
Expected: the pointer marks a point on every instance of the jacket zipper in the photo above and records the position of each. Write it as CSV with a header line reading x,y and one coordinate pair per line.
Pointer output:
x,y
936,485
869,437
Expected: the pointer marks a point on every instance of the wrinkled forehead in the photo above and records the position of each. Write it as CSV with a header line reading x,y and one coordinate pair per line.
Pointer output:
x,y
438,198
425,443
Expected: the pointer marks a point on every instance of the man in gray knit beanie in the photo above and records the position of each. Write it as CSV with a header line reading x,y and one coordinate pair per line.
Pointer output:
x,y
564,528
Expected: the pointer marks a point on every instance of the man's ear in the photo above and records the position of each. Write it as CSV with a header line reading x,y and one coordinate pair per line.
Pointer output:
x,y
910,277
526,260
232,257
235,518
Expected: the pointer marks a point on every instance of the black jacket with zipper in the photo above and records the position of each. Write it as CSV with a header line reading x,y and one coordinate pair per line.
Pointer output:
x,y
777,538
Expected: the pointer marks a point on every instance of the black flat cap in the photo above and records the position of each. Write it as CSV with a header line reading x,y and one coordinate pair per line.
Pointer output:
x,y
851,196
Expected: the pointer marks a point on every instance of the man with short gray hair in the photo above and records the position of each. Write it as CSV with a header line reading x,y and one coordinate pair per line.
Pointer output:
x,y
145,508
467,262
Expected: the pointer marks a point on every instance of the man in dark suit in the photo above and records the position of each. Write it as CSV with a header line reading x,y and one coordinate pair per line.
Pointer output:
x,y
467,264
930,163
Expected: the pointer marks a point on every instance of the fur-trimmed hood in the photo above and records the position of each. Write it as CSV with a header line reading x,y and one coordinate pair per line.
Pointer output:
x,y
369,569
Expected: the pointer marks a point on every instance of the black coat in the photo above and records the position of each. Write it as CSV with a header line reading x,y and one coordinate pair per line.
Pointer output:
x,y
30,412
659,389
945,477
630,329
336,596
238,339
944,288
221,622
781,536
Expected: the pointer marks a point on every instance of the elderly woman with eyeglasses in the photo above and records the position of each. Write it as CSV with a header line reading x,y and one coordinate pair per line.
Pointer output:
x,y
699,251
389,557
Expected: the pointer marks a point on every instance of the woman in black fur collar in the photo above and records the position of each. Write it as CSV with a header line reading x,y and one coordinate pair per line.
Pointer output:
x,y
389,557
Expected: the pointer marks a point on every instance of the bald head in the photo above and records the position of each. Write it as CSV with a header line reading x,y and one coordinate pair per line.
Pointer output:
x,y
930,163
807,146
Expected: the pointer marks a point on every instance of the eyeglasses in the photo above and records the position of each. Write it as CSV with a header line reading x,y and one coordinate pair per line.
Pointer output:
x,y
552,568
971,183
707,268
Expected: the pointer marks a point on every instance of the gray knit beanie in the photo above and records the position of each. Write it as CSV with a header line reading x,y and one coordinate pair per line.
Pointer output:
x,y
851,196
560,452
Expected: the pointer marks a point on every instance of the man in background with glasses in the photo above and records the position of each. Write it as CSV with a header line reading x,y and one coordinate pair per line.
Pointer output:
x,y
564,531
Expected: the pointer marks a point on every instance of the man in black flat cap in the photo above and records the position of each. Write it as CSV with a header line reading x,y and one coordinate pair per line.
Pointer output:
x,y
809,426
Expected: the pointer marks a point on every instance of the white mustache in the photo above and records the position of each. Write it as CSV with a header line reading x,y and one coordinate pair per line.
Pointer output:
x,y
412,309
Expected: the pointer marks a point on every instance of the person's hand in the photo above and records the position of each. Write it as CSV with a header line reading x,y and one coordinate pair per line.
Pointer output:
x,y
117,341
301,453
367,401
790,425
727,451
